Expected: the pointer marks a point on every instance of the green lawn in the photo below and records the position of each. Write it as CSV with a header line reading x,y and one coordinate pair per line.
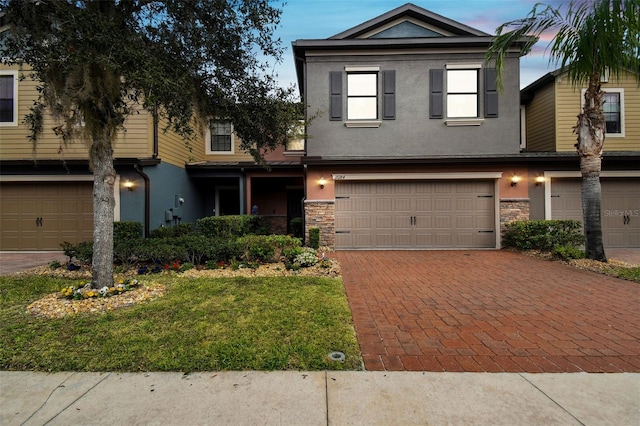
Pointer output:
x,y
204,324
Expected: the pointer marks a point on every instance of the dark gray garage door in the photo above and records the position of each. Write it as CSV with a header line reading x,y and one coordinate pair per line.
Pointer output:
x,y
431,214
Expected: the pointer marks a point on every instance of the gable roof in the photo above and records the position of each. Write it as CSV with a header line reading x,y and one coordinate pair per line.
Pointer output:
x,y
402,14
403,28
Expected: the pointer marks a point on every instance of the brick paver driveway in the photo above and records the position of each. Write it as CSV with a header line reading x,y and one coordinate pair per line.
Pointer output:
x,y
489,311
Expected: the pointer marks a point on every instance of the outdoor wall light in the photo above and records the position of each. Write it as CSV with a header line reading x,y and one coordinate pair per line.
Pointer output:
x,y
514,180
128,184
539,180
322,182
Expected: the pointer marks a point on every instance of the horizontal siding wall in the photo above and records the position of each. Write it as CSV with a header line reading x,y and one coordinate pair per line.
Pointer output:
x,y
569,106
173,148
14,144
540,120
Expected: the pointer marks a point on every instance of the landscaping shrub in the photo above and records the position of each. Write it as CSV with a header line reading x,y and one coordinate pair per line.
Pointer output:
x,y
257,248
296,227
125,251
314,238
175,231
543,235
568,253
127,236
290,254
223,250
228,226
307,257
266,248
159,251
82,252
124,231
282,243
192,248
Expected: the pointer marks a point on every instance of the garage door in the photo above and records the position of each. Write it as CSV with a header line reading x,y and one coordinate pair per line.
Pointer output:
x,y
42,215
620,208
432,214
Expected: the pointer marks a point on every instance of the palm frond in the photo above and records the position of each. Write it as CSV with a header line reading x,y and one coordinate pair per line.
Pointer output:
x,y
589,39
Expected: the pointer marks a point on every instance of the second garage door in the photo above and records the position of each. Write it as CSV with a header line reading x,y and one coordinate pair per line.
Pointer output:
x,y
620,208
42,215
432,214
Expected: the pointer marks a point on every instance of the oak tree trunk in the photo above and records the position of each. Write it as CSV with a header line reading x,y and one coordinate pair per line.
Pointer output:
x,y
104,177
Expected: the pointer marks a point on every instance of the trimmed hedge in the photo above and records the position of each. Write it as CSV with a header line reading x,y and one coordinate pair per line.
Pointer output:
x,y
543,235
225,241
228,226
314,238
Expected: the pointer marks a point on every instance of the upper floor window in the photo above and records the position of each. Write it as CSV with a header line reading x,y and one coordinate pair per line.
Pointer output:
x,y
370,94
462,93
8,98
613,109
612,112
459,95
295,142
362,96
220,137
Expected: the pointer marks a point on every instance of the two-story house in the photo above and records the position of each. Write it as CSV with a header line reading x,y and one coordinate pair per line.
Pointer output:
x,y
46,188
414,147
550,106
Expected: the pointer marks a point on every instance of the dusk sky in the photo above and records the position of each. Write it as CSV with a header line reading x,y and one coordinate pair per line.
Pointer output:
x,y
319,19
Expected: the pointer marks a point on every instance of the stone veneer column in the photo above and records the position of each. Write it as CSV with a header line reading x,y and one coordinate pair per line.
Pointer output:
x,y
513,209
321,214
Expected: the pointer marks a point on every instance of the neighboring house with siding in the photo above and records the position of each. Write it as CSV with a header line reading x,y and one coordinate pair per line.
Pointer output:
x,y
550,107
46,188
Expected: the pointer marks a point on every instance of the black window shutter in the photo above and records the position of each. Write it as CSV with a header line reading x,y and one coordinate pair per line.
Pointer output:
x,y
436,84
490,93
389,95
335,105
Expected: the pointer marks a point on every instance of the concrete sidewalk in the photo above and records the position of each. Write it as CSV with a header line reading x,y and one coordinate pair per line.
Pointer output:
x,y
318,398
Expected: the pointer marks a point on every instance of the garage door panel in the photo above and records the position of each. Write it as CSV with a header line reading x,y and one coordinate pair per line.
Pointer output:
x,y
465,222
424,205
442,222
443,240
424,222
361,240
424,239
400,205
466,204
361,222
433,214
383,205
362,205
384,221
442,205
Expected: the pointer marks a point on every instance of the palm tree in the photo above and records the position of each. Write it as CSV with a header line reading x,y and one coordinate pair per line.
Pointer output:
x,y
592,38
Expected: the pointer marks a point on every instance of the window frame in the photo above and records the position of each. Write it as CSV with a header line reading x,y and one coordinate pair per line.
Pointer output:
x,y
363,97
209,135
450,94
620,92
14,122
297,139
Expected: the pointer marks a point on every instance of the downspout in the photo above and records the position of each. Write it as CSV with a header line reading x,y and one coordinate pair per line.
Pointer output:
x,y
242,189
147,198
154,113
304,198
